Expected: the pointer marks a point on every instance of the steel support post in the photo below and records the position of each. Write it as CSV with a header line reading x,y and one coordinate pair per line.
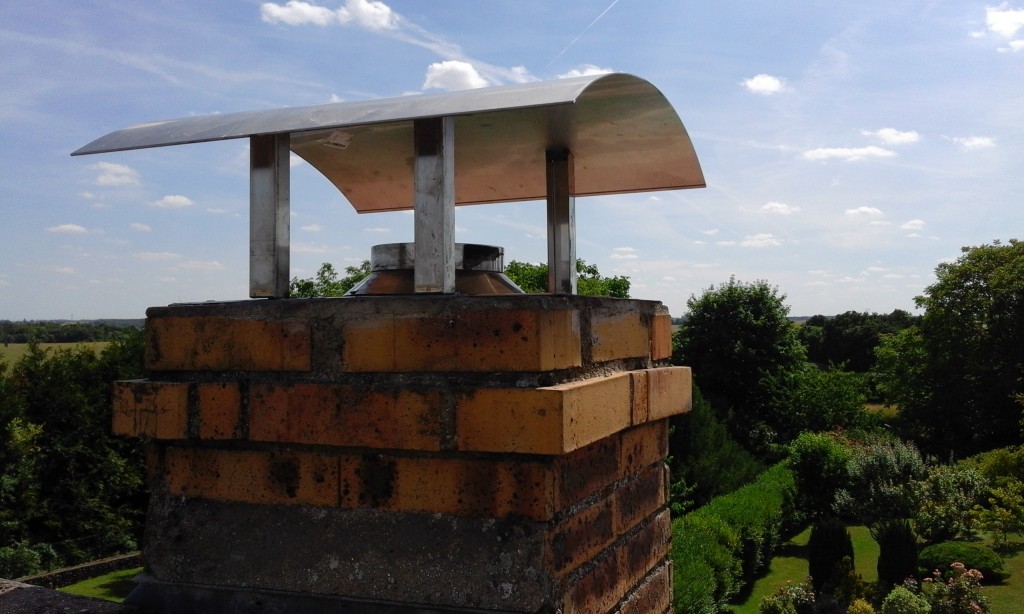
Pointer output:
x,y
269,210
561,223
434,204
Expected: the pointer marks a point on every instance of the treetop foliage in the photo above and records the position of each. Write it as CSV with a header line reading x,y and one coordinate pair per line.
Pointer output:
x,y
533,279
957,378
69,491
327,283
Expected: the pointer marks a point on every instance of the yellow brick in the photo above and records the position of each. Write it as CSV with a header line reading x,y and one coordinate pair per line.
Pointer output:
x,y
219,409
550,420
150,409
671,391
640,497
661,337
641,401
479,488
472,341
334,415
226,344
643,445
616,335
369,345
579,537
251,476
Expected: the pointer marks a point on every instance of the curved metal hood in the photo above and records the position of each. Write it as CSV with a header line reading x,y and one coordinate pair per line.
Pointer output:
x,y
623,134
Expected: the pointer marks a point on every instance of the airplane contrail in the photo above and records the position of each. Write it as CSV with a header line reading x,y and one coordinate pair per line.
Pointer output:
x,y
578,36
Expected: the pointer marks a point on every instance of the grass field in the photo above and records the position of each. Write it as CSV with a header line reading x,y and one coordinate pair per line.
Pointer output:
x,y
111,587
12,352
790,565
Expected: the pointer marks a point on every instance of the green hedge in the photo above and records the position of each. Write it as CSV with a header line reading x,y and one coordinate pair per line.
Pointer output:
x,y
720,547
938,557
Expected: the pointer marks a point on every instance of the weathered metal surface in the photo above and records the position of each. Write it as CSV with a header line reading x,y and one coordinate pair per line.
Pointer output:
x,y
269,216
623,134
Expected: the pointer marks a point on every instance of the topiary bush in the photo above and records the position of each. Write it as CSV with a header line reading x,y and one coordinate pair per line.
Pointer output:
x,y
897,556
971,555
828,544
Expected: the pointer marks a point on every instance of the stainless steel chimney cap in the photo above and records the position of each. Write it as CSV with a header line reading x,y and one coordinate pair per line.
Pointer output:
x,y
623,133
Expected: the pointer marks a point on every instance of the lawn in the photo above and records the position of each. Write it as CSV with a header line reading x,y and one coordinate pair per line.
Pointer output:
x,y
790,565
12,352
113,586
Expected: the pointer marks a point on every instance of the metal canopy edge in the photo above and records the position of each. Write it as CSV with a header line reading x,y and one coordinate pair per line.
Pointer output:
x,y
623,134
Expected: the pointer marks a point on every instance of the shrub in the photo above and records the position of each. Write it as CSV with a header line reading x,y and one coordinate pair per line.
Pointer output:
x,y
947,496
720,547
847,586
860,606
707,572
819,463
905,601
790,599
960,593
1004,512
974,556
897,556
828,544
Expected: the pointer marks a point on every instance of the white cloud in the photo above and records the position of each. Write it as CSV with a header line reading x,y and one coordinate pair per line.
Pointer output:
x,y
1015,46
764,84
199,265
305,248
115,174
157,256
847,153
871,211
377,229
311,227
891,136
366,14
1004,21
140,227
725,243
295,13
172,201
63,270
913,225
623,253
711,232
760,240
780,208
453,75
585,71
68,229
974,142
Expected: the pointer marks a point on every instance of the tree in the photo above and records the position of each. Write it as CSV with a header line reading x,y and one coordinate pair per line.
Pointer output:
x,y
533,278
958,379
881,485
69,491
705,460
326,283
850,338
742,348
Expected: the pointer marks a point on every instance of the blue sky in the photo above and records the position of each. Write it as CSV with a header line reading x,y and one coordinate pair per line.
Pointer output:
x,y
848,147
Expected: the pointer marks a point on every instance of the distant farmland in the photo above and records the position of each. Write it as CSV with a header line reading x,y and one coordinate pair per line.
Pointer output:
x,y
10,353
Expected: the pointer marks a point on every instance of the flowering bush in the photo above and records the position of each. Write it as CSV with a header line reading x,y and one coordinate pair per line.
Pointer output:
x,y
790,599
959,593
